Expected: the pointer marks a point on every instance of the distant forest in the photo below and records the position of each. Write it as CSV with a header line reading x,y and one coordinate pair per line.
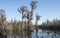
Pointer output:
x,y
51,25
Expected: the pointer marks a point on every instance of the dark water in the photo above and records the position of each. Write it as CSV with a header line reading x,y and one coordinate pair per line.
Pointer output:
x,y
40,34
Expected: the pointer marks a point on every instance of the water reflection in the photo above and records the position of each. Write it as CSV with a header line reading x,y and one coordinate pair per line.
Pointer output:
x,y
40,34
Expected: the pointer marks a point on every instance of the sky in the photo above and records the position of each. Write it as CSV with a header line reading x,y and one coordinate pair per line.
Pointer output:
x,y
47,9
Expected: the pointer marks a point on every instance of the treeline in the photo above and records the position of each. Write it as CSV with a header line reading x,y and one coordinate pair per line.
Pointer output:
x,y
51,25
14,27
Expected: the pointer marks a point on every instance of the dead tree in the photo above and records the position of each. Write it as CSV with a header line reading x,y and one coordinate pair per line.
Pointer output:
x,y
37,18
22,10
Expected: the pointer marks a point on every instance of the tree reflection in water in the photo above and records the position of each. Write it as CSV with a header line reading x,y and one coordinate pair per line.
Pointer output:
x,y
15,35
41,34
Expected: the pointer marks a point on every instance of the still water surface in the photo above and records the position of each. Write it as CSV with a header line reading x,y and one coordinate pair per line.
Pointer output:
x,y
40,34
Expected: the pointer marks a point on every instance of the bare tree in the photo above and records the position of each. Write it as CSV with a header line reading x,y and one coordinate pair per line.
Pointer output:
x,y
3,21
37,18
22,10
